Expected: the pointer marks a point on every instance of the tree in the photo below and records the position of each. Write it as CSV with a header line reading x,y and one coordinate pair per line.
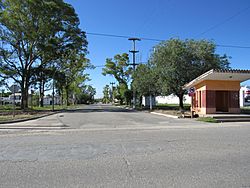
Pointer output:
x,y
106,99
119,68
88,94
33,33
72,77
145,81
178,62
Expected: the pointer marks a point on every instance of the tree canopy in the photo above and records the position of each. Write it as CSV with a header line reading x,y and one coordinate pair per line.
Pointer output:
x,y
35,34
177,62
119,68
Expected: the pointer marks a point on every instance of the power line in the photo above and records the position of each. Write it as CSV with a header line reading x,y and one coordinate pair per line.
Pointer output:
x,y
160,40
223,22
122,36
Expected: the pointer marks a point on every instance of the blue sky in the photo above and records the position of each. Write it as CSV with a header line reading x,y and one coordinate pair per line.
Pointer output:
x,y
226,22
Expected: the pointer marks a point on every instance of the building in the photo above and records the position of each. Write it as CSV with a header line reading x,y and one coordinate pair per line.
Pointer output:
x,y
47,100
10,99
217,91
244,96
170,99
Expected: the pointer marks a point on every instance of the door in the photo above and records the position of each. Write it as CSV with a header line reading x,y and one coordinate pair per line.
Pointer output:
x,y
222,101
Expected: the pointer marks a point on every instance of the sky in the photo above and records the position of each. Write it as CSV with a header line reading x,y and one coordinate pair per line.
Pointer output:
x,y
226,22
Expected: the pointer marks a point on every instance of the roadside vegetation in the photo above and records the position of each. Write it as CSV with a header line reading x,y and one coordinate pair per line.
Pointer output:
x,y
43,48
245,110
207,119
171,65
6,111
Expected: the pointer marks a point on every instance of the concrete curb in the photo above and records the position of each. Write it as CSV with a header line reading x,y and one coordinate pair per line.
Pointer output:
x,y
166,115
34,128
27,119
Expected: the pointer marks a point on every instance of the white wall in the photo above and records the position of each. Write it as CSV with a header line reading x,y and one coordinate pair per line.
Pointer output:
x,y
243,95
171,99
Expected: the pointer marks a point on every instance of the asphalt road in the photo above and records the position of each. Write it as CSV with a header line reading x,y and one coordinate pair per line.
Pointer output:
x,y
107,146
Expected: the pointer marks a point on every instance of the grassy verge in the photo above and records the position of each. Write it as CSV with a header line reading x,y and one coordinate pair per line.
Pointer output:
x,y
207,119
7,111
17,117
245,110
171,107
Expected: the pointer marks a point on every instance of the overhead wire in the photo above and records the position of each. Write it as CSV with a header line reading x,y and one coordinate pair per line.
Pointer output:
x,y
158,40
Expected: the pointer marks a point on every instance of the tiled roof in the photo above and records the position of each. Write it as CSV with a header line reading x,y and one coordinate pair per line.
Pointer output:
x,y
221,74
231,70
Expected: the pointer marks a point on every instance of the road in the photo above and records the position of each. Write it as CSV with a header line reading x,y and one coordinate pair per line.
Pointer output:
x,y
105,146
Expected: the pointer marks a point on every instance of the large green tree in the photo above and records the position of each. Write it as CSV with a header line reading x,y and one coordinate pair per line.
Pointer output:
x,y
106,95
145,81
71,75
177,62
34,33
119,68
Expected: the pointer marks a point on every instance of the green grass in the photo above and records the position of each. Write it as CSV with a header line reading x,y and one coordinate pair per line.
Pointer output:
x,y
19,116
245,110
171,107
8,107
207,119
49,107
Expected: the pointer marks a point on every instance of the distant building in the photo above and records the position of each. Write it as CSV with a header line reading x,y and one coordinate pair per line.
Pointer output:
x,y
47,100
170,99
10,99
245,96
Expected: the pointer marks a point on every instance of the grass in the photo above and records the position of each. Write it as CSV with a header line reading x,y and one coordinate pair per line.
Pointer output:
x,y
49,107
171,107
17,117
245,110
207,119
6,112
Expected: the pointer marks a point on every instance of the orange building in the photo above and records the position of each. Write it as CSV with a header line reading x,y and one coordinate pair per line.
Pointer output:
x,y
217,91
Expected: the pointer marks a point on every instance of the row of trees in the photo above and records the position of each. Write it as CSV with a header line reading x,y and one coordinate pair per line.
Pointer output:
x,y
41,40
172,64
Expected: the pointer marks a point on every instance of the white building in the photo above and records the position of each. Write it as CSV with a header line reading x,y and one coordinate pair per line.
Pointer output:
x,y
245,96
170,99
10,99
47,100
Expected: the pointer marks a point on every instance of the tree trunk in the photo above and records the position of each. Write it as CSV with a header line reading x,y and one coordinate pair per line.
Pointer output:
x,y
24,104
41,94
180,96
24,93
150,102
67,97
62,97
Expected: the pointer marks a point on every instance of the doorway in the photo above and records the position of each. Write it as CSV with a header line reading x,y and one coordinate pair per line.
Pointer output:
x,y
222,100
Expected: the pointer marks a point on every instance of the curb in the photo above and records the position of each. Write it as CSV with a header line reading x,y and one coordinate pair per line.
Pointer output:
x,y
166,115
34,128
28,119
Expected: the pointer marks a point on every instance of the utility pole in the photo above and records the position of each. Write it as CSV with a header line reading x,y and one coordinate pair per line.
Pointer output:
x,y
134,51
112,85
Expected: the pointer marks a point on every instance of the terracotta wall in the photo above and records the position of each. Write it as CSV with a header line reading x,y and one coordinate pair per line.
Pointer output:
x,y
208,90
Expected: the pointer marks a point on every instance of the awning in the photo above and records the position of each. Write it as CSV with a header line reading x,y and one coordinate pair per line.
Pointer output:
x,y
221,74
